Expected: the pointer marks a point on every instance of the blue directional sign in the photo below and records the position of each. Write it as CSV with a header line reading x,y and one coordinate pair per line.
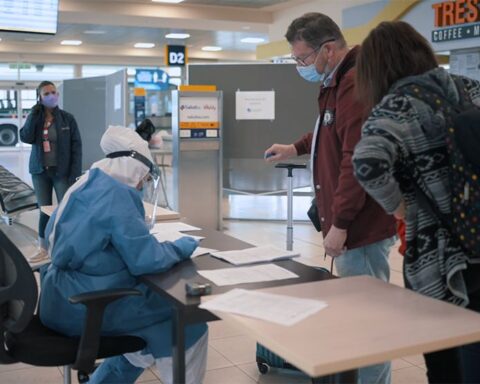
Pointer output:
x,y
152,79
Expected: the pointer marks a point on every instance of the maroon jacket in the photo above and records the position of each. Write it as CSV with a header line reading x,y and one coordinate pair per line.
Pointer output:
x,y
341,201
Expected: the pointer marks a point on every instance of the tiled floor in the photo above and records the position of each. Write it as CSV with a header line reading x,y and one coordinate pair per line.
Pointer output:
x,y
231,355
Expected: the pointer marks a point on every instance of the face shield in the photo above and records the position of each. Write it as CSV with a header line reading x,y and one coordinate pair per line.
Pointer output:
x,y
152,180
153,170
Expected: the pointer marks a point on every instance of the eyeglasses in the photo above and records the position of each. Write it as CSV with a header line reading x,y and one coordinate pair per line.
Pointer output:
x,y
303,60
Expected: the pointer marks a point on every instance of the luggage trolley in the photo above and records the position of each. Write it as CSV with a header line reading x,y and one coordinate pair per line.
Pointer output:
x,y
290,167
265,358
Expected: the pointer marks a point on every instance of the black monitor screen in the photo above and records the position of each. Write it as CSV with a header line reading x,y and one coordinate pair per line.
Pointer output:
x,y
37,16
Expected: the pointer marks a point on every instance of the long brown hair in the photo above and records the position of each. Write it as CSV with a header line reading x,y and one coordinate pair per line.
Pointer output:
x,y
393,50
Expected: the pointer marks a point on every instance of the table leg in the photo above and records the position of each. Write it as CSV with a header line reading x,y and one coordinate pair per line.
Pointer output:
x,y
178,347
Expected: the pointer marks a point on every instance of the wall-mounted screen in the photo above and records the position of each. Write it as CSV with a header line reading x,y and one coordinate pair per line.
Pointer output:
x,y
34,16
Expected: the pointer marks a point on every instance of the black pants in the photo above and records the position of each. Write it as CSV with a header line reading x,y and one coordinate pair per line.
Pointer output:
x,y
461,364
456,365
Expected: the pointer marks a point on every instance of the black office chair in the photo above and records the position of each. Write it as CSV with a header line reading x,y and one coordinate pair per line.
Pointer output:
x,y
23,338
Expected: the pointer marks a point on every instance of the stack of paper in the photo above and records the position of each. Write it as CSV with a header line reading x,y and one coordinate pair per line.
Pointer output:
x,y
240,275
255,255
173,235
174,226
200,251
280,309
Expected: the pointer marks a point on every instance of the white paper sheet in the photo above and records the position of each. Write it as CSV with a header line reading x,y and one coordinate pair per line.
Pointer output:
x,y
202,251
175,226
255,105
240,275
173,235
255,255
280,309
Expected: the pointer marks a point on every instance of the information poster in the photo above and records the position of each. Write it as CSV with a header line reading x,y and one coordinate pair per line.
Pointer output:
x,y
199,112
255,105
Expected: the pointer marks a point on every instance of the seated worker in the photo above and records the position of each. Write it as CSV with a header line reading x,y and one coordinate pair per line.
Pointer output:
x,y
98,239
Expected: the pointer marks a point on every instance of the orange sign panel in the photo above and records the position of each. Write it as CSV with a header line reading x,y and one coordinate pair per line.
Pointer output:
x,y
457,12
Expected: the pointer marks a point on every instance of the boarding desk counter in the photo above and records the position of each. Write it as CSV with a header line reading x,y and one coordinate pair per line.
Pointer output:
x,y
171,285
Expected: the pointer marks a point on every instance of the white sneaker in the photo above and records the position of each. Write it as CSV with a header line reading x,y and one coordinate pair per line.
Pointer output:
x,y
39,259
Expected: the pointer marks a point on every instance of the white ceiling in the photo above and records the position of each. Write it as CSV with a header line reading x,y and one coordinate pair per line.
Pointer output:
x,y
124,22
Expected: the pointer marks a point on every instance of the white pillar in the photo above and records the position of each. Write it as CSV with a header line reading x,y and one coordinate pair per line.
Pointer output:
x,y
77,71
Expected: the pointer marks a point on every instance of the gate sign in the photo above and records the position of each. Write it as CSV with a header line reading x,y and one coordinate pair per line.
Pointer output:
x,y
175,55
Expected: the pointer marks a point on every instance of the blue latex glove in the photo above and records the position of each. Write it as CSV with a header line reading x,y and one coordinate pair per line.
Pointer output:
x,y
186,245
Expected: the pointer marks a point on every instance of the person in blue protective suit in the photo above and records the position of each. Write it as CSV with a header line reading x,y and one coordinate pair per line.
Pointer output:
x,y
98,239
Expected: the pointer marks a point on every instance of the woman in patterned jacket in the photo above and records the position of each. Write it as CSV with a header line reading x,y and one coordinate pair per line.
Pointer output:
x,y
403,145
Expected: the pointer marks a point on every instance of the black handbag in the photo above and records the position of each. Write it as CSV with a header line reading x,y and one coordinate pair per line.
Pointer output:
x,y
312,214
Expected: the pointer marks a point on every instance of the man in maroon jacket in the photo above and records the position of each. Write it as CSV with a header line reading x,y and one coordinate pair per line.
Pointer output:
x,y
357,231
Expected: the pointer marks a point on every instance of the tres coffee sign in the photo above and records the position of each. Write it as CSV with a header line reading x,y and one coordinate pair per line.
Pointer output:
x,y
456,20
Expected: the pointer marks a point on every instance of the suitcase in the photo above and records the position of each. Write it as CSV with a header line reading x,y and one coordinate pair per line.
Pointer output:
x,y
266,359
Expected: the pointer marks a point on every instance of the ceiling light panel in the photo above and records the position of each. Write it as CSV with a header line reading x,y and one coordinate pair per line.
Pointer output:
x,y
144,45
210,48
177,36
252,40
167,1
71,42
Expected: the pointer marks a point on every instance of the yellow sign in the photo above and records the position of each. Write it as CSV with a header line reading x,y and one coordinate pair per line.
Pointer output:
x,y
197,88
139,92
199,125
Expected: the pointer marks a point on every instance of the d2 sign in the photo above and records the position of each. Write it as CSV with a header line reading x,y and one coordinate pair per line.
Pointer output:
x,y
176,55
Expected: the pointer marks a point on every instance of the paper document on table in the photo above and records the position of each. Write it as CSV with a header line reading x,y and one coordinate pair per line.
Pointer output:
x,y
280,309
161,213
199,251
240,275
173,235
255,255
175,226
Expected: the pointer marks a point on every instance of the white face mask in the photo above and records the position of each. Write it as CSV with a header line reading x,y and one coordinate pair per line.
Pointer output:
x,y
310,73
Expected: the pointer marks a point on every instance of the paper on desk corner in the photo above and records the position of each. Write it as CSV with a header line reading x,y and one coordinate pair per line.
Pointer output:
x,y
280,309
252,274
199,251
173,235
174,226
253,255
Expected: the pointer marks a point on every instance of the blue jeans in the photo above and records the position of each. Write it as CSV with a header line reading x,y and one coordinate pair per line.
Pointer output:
x,y
369,260
43,184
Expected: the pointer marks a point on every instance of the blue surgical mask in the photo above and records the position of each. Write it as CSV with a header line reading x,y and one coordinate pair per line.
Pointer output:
x,y
50,101
310,73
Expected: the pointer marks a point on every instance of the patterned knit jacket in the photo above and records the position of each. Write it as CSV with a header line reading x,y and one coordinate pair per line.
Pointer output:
x,y
403,133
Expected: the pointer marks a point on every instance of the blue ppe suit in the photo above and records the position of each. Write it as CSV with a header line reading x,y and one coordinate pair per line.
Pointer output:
x,y
102,242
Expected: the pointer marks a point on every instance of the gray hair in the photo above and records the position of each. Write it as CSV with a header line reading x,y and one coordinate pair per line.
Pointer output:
x,y
314,28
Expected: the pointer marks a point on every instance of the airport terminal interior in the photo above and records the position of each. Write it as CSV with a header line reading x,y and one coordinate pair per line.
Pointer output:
x,y
217,81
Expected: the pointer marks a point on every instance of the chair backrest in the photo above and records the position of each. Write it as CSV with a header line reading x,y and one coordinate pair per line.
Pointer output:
x,y
18,288
15,194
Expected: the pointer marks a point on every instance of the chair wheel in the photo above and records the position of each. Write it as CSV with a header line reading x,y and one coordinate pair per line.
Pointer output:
x,y
263,368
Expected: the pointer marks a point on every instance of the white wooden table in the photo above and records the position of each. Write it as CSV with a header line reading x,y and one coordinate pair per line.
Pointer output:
x,y
366,322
